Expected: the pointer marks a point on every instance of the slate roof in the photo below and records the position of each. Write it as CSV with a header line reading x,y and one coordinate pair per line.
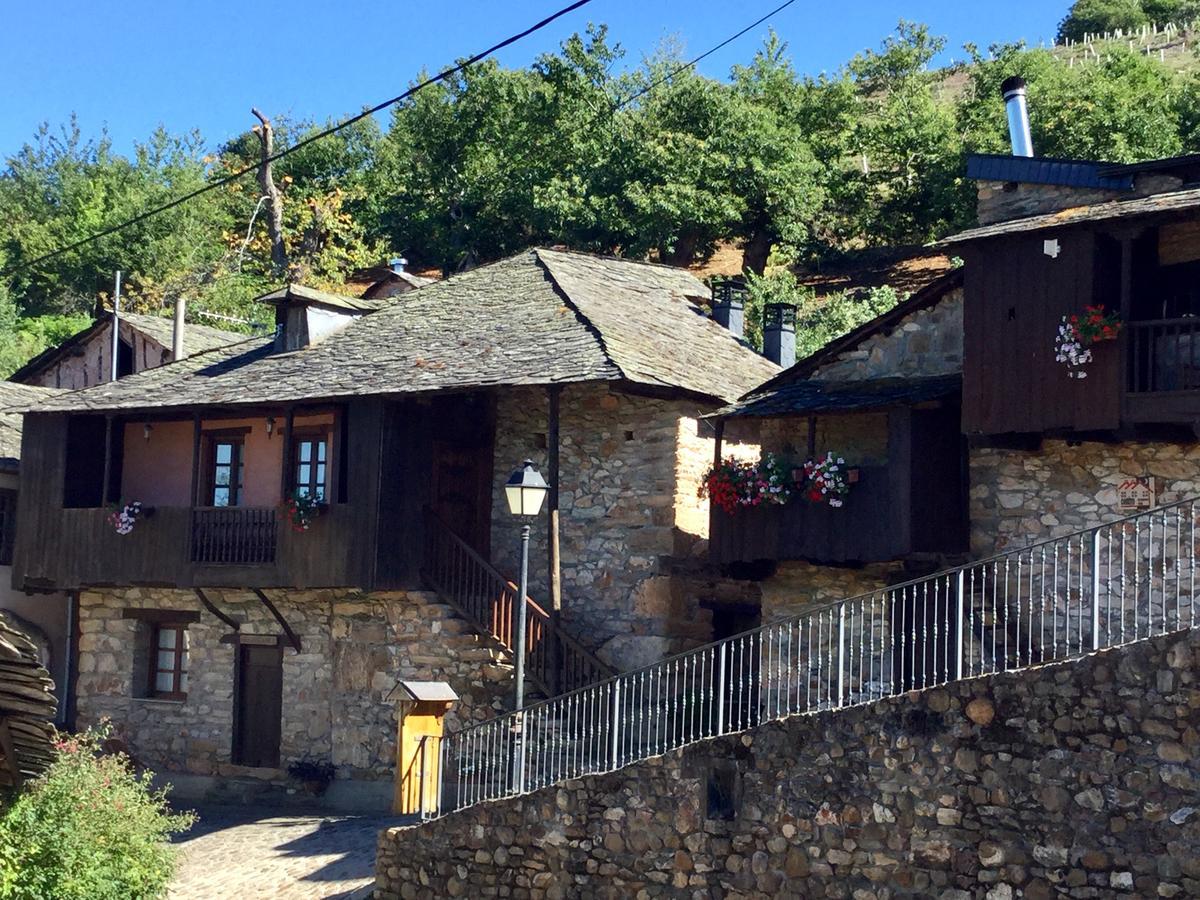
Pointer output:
x,y
196,339
298,293
541,317
808,397
15,396
27,706
1080,173
1162,204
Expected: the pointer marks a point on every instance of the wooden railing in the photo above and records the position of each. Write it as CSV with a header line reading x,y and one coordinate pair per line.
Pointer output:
x,y
1164,355
233,535
555,661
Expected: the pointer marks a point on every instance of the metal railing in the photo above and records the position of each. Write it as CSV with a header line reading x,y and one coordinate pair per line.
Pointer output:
x,y
233,535
554,660
1124,581
1164,355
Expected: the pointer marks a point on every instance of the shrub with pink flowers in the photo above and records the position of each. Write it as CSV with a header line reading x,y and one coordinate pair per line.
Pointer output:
x,y
826,480
90,827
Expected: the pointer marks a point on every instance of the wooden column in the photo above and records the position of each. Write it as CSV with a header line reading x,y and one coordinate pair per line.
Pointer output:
x,y
286,475
554,394
718,443
107,477
195,495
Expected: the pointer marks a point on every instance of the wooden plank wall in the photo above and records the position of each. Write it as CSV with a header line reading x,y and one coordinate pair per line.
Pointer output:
x,y
1016,296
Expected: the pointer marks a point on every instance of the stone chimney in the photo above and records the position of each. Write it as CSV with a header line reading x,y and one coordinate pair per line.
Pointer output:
x,y
779,334
729,304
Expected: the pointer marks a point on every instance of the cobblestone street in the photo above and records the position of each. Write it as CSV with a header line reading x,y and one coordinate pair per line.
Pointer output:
x,y
249,852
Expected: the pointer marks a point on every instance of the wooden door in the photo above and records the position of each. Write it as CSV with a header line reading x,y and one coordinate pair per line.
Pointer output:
x,y
259,708
462,491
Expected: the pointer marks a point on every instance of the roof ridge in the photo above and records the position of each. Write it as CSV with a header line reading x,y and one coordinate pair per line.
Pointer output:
x,y
621,259
583,318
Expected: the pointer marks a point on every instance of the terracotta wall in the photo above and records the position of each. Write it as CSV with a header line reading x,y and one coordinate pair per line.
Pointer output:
x,y
158,470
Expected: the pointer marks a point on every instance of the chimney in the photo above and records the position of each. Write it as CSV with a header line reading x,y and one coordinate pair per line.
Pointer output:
x,y
177,332
779,334
398,263
1013,90
729,304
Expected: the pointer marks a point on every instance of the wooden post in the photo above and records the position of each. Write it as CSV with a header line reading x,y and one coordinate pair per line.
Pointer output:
x,y
554,393
195,495
104,486
1126,314
286,475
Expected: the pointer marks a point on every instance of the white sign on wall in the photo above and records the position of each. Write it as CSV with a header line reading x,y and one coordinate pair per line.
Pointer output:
x,y
1136,494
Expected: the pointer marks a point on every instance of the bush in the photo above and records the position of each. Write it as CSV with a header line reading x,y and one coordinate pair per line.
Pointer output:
x,y
88,828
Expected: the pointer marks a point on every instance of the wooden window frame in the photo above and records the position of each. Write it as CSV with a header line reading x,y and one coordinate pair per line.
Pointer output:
x,y
180,667
237,485
312,433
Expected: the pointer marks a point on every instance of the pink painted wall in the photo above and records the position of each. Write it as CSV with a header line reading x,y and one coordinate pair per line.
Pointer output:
x,y
158,471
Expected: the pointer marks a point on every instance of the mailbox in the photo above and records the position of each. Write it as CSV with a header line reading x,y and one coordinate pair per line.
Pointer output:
x,y
423,708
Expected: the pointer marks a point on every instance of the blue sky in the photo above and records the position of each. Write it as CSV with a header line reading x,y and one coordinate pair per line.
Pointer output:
x,y
133,64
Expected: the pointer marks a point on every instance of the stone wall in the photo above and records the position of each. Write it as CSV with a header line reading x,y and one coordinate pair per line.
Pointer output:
x,y
1076,780
1022,496
355,648
998,201
925,342
630,468
862,438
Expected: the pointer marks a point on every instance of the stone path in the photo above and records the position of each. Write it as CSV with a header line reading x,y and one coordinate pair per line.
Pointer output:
x,y
251,852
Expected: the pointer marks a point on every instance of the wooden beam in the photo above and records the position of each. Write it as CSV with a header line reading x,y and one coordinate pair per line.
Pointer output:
x,y
812,437
289,423
162,616
293,638
718,441
107,478
195,494
554,554
208,604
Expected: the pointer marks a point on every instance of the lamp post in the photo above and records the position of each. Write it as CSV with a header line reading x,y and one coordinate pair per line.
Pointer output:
x,y
525,491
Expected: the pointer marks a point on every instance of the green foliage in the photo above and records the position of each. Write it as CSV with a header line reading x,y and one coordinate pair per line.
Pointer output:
x,y
1100,16
787,167
89,829
818,320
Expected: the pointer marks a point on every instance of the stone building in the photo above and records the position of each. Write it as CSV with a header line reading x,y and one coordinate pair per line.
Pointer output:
x,y
227,636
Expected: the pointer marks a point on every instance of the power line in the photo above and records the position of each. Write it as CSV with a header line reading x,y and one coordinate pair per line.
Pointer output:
x,y
345,123
692,63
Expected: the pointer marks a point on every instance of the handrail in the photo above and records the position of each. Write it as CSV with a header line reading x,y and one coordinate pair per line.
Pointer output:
x,y
1052,600
487,598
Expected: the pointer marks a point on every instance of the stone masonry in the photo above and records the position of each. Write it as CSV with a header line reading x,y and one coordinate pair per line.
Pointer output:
x,y
355,647
1021,496
1075,780
630,469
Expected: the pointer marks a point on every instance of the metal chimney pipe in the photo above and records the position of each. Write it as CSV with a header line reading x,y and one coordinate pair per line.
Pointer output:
x,y
177,332
116,327
398,263
1013,90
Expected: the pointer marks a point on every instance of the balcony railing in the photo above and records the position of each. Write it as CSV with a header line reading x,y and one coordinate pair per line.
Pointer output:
x,y
233,535
1164,355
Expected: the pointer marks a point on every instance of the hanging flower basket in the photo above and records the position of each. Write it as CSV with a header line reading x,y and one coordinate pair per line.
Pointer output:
x,y
735,483
826,480
302,510
1078,334
124,516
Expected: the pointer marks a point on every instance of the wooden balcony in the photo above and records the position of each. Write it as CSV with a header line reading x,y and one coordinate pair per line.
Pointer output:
x,y
1163,371
196,547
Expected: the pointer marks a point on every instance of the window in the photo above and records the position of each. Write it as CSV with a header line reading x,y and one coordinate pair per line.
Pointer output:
x,y
226,471
310,472
169,662
8,525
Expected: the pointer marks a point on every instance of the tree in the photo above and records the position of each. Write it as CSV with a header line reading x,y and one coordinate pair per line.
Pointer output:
x,y
1100,16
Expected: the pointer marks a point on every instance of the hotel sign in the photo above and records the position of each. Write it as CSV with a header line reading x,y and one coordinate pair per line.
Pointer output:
x,y
1136,495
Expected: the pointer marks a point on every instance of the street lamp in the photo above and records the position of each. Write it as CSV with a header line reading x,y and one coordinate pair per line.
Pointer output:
x,y
525,491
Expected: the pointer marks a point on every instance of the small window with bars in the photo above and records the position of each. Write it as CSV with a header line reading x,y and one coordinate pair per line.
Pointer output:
x,y
8,525
310,473
169,663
